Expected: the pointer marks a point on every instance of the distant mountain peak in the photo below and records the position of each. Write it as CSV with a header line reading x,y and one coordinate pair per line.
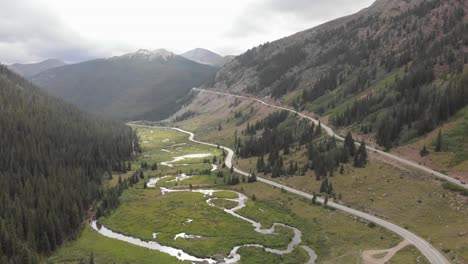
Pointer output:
x,y
204,56
149,55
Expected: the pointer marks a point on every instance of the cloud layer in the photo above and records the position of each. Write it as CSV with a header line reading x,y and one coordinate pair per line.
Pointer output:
x,y
33,30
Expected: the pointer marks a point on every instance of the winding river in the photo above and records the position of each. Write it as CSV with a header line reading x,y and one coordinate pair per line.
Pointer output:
x,y
233,257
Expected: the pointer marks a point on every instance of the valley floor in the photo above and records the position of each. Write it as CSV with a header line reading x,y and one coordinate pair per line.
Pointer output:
x,y
402,195
335,237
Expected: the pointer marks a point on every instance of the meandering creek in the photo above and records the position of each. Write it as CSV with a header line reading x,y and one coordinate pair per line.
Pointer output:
x,y
233,257
190,156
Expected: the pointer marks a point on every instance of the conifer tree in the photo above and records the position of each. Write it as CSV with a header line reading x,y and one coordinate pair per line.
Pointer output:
x,y
349,144
324,185
424,151
91,258
438,147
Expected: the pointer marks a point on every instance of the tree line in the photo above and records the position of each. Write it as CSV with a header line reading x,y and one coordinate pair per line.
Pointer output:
x,y
53,159
277,140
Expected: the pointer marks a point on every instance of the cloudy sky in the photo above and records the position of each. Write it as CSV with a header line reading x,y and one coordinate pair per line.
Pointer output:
x,y
33,30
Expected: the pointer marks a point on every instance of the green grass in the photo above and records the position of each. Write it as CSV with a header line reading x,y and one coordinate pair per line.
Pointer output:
x,y
335,236
145,211
107,250
455,188
267,212
224,203
455,139
251,255
407,199
225,194
404,197
409,254
453,159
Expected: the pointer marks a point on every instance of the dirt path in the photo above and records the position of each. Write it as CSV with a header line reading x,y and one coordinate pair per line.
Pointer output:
x,y
368,256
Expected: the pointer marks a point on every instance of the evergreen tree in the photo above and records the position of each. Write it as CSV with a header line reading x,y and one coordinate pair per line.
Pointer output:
x,y
91,258
252,178
291,168
438,147
318,130
424,152
260,164
286,150
360,158
324,185
45,244
349,144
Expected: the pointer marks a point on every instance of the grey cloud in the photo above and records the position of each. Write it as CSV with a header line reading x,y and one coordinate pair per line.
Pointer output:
x,y
29,32
316,9
261,16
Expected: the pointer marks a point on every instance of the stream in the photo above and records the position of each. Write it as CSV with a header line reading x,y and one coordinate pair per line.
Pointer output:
x,y
233,257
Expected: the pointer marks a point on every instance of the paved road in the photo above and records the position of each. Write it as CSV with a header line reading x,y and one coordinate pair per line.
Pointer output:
x,y
332,133
429,251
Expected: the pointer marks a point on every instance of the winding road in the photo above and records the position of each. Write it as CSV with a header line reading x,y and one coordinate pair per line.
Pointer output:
x,y
432,254
332,133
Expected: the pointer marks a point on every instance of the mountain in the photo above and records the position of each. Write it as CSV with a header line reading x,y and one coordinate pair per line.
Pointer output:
x,y
29,70
53,159
205,56
140,85
395,70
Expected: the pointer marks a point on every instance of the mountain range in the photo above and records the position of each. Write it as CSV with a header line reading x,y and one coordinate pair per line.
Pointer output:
x,y
29,70
140,85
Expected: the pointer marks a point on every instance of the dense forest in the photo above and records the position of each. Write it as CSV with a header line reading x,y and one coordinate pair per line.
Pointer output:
x,y
52,161
275,137
433,83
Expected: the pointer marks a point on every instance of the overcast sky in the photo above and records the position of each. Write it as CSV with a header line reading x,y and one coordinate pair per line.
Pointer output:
x,y
34,30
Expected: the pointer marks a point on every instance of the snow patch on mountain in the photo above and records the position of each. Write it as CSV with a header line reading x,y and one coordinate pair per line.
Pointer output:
x,y
149,55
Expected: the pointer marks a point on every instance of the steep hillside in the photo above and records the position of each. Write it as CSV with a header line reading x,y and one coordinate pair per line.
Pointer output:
x,y
205,56
52,161
29,70
145,84
367,71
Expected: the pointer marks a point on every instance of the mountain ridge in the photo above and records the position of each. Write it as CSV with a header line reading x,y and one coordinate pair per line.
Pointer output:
x,y
59,154
142,84
205,56
31,69
337,65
